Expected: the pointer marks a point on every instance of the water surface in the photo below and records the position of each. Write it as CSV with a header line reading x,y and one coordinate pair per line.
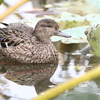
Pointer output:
x,y
24,81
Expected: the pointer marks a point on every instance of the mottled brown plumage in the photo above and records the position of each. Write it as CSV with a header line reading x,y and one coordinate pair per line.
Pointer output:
x,y
28,45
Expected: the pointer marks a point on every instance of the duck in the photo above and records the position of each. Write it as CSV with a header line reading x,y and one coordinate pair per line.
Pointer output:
x,y
26,44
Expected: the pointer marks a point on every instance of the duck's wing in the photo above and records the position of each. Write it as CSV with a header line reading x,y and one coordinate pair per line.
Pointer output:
x,y
22,27
11,37
15,33
13,46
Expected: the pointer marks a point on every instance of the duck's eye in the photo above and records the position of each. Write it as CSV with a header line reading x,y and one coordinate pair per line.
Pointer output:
x,y
60,31
49,26
46,25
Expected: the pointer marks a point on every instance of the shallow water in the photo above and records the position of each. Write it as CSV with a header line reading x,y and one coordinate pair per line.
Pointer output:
x,y
24,81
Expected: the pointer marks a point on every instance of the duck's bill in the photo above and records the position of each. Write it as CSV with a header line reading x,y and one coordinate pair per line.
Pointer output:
x,y
60,33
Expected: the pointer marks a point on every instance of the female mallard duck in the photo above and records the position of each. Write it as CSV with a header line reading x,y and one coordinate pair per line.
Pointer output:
x,y
27,45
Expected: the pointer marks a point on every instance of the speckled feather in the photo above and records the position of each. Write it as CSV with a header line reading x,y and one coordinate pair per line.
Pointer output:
x,y
32,54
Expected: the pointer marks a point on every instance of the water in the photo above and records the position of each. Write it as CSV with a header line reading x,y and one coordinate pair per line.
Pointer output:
x,y
25,81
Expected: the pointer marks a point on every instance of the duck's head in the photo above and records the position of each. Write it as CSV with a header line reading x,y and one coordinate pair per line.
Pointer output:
x,y
46,28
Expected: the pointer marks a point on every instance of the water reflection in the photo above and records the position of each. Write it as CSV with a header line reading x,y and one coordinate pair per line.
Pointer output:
x,y
74,66
25,76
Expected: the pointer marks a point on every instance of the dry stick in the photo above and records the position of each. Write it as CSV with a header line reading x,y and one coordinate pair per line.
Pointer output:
x,y
11,9
7,5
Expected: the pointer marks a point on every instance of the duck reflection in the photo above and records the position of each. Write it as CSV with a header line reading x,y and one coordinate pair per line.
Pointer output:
x,y
28,74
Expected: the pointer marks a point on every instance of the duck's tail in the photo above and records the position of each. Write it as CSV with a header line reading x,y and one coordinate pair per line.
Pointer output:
x,y
3,31
4,23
